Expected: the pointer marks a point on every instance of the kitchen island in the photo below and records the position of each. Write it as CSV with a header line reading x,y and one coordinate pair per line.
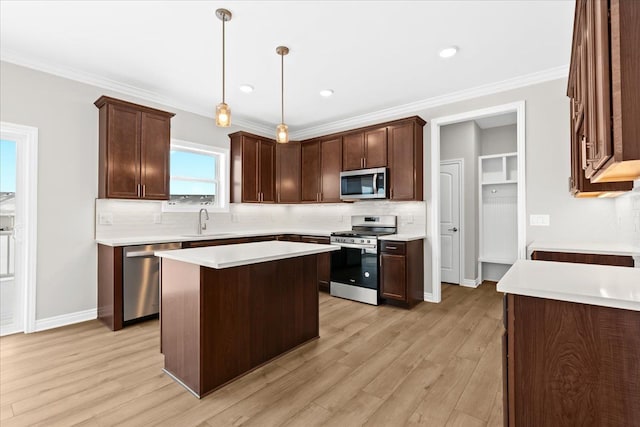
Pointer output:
x,y
226,310
571,349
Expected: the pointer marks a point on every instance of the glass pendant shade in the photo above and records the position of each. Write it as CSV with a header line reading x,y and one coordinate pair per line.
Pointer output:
x,y
223,115
282,133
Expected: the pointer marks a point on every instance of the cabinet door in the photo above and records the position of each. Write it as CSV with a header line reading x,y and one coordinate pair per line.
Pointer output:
x,y
310,182
353,151
266,171
123,152
154,152
393,284
288,172
250,153
375,148
402,178
331,166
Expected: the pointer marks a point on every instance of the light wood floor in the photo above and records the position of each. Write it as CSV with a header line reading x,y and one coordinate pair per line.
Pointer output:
x,y
435,365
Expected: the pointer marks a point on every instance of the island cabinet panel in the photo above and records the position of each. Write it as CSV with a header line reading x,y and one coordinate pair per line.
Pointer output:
x,y
242,318
571,364
324,261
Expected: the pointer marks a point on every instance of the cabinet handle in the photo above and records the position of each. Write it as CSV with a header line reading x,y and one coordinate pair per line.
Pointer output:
x,y
391,247
583,148
138,190
278,197
144,190
364,162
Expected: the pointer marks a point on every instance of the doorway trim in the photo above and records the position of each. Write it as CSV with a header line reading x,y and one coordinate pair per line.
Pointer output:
x,y
460,163
26,138
519,108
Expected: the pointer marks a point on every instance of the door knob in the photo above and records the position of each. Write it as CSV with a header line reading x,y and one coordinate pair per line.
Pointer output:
x,y
454,229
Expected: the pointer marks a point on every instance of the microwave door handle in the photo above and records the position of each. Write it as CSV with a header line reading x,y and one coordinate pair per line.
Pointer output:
x,y
375,183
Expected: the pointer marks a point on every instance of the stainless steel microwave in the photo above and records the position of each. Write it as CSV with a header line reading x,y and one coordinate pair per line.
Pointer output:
x,y
364,184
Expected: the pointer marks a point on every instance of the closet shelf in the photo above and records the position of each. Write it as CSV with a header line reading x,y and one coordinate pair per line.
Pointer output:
x,y
496,260
508,181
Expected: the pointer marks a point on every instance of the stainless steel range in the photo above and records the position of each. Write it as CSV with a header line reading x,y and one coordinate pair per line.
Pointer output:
x,y
354,269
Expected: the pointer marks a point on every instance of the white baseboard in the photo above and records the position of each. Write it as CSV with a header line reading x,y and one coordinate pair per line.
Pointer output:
x,y
66,319
428,296
470,283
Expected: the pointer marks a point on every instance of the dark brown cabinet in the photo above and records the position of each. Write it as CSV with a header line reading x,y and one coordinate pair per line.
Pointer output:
x,y
321,167
402,271
253,160
567,363
583,258
405,159
288,157
364,149
134,149
324,262
603,88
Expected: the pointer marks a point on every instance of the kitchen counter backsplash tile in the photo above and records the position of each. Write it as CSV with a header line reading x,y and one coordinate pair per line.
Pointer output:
x,y
137,218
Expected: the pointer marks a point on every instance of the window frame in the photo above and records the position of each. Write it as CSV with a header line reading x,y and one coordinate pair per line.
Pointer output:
x,y
222,154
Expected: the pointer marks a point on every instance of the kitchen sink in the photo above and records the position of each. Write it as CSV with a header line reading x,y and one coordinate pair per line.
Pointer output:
x,y
207,235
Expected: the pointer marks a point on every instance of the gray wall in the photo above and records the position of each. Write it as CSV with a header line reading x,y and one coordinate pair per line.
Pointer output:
x,y
67,121
462,141
498,140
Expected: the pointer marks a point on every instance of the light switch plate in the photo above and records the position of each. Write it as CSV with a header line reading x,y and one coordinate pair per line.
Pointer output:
x,y
539,220
105,219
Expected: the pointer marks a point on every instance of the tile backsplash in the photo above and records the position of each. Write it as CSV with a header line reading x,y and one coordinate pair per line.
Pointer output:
x,y
125,218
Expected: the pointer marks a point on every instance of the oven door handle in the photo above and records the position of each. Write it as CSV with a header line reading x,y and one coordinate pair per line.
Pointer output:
x,y
354,246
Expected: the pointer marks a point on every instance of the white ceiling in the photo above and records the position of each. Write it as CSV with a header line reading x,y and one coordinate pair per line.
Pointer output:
x,y
374,54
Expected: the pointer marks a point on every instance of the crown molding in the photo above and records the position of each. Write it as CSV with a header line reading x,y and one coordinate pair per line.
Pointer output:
x,y
303,133
413,107
12,57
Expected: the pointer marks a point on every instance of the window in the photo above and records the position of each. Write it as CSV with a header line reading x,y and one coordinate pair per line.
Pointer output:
x,y
198,178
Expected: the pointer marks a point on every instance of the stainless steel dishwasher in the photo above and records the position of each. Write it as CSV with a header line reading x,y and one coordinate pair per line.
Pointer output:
x,y
141,282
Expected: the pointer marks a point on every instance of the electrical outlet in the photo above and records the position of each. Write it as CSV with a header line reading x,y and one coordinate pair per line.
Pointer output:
x,y
539,220
105,219
157,218
408,219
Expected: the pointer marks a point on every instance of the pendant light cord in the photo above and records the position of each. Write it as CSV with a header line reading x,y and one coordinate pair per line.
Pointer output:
x,y
224,19
282,88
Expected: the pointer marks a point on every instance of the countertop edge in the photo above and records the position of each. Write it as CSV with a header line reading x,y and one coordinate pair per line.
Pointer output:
x,y
584,248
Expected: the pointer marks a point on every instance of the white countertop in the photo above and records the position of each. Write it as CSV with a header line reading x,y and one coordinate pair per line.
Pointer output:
x,y
403,237
146,240
244,253
603,285
585,248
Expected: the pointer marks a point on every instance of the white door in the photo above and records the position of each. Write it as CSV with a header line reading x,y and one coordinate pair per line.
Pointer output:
x,y
450,222
11,303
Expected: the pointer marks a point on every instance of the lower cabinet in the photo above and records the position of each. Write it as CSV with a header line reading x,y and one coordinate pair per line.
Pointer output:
x,y
580,258
567,363
324,262
402,272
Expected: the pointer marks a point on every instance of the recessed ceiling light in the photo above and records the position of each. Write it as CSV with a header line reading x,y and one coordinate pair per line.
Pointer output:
x,y
448,52
246,88
326,92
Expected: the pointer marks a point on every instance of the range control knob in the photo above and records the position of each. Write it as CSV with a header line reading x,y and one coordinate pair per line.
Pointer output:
x,y
361,240
352,240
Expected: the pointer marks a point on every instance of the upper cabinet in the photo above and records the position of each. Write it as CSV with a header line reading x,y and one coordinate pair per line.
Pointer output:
x,y
604,88
288,172
134,148
321,167
404,154
253,160
364,149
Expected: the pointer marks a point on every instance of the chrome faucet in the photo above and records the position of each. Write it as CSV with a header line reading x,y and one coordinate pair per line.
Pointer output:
x,y
202,225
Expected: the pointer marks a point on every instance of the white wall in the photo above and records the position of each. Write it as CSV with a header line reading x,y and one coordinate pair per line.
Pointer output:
x,y
462,141
498,140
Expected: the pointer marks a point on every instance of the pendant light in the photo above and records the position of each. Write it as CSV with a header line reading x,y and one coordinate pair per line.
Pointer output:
x,y
223,112
282,131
